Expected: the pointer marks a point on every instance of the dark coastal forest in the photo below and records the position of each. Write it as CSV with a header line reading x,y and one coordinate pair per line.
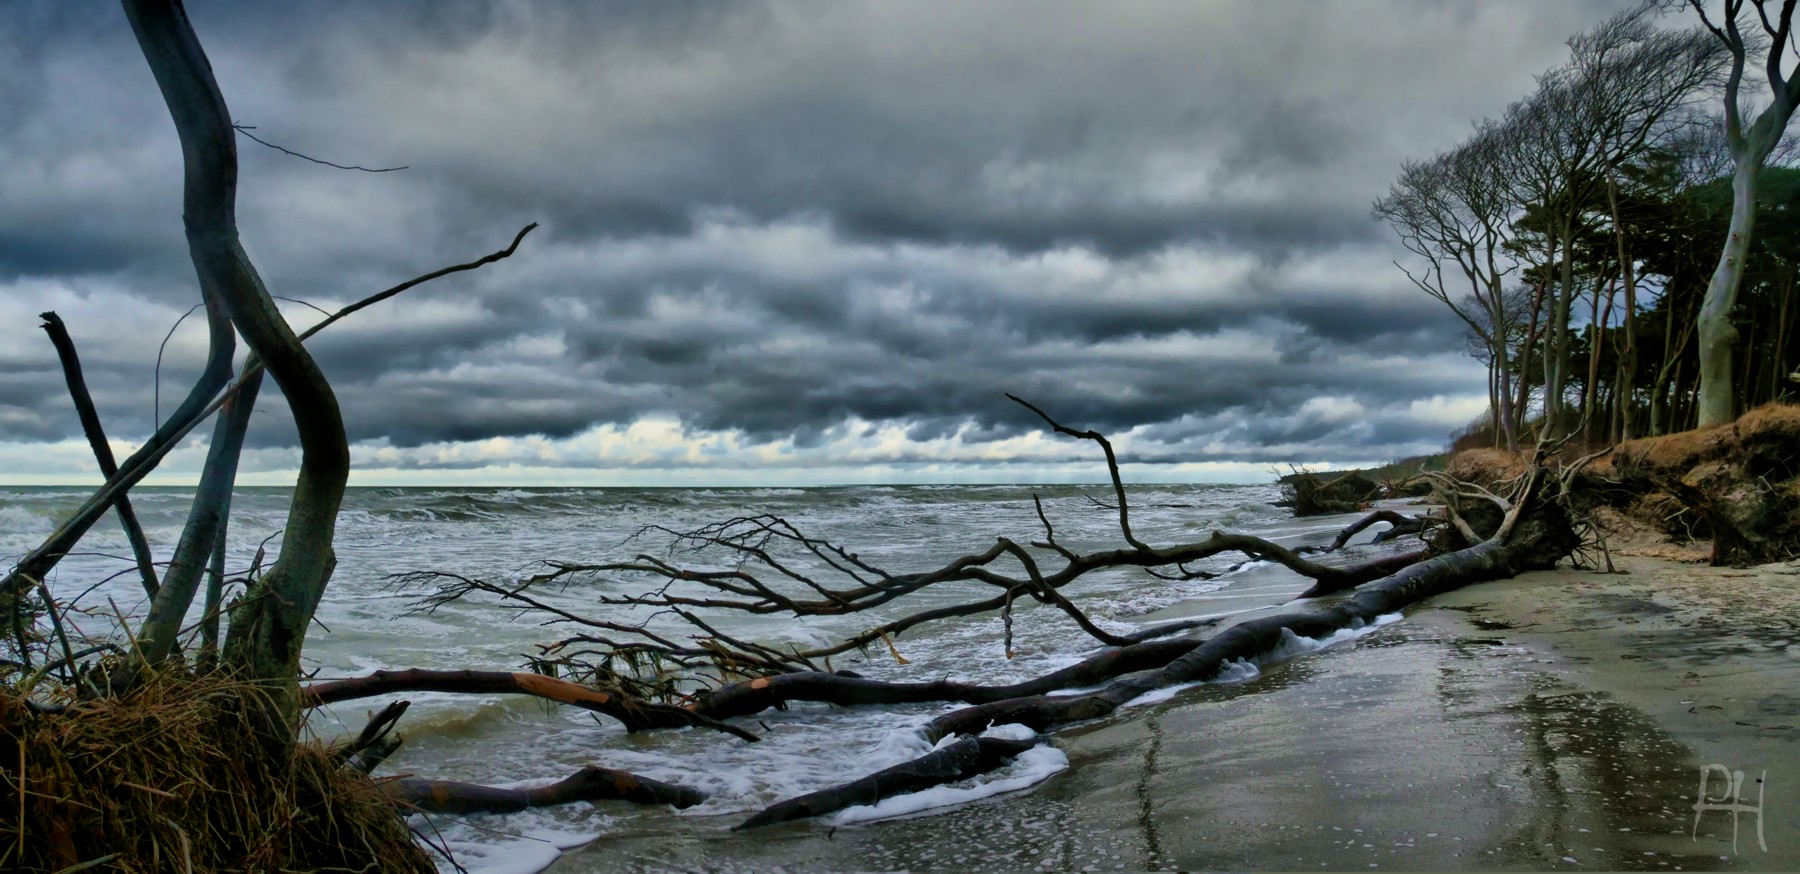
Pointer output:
x,y
1577,236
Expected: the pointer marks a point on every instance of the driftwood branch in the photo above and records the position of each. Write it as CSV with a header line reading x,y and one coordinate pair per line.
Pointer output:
x,y
720,676
591,783
1519,542
1112,464
965,758
634,715
96,437
767,565
376,741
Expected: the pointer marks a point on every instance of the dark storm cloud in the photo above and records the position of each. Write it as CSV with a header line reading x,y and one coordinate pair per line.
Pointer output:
x,y
773,218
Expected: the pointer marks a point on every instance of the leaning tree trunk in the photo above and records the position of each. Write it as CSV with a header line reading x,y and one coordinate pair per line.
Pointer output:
x,y
269,624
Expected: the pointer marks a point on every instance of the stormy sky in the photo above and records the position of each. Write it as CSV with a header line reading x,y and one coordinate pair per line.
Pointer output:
x,y
781,242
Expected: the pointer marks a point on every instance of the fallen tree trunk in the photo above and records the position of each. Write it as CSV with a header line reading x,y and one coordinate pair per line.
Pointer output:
x,y
965,758
1534,533
1146,650
845,689
592,783
1481,537
633,714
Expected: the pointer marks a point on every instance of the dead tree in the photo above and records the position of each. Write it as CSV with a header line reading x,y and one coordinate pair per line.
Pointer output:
x,y
1483,536
268,625
764,578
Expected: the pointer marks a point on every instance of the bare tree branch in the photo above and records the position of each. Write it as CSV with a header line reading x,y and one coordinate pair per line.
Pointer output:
x,y
246,129
96,435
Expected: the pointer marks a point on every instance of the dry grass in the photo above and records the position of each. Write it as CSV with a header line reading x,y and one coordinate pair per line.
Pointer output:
x,y
1775,426
169,778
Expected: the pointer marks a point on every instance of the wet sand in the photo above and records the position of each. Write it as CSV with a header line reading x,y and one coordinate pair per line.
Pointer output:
x,y
1557,721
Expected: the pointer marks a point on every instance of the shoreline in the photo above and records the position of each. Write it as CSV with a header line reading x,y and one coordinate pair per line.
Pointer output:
x,y
1558,720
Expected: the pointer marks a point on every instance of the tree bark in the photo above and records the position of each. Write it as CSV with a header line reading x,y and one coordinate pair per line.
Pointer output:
x,y
967,757
634,715
1628,351
1750,148
1717,334
203,536
1532,331
270,623
591,783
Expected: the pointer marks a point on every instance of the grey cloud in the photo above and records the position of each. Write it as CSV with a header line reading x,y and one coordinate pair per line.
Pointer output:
x,y
932,159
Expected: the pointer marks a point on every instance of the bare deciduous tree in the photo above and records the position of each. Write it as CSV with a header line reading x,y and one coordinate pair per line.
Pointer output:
x,y
1456,208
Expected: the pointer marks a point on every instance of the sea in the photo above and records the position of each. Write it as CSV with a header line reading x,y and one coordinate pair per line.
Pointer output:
x,y
369,620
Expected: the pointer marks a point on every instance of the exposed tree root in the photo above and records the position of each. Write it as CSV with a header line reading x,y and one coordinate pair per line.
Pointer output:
x,y
592,783
165,778
1310,494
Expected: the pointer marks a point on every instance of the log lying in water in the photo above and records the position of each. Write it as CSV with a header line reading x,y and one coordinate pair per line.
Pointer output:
x,y
633,714
754,696
842,688
967,757
591,783
1534,532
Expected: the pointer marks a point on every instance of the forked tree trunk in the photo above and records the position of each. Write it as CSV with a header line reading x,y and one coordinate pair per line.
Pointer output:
x,y
269,624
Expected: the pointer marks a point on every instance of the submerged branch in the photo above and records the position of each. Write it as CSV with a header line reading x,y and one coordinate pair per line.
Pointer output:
x,y
591,783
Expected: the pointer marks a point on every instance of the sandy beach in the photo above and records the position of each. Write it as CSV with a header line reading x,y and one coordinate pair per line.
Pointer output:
x,y
1561,720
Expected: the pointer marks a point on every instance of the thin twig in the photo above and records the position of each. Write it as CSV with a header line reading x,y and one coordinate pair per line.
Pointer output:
x,y
246,129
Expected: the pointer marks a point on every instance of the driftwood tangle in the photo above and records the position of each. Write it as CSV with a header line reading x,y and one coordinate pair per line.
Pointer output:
x,y
642,676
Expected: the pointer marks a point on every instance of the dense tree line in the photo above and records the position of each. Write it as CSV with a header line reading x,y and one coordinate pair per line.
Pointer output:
x,y
1587,236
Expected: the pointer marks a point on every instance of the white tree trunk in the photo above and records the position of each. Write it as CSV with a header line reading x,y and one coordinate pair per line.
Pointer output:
x,y
1717,335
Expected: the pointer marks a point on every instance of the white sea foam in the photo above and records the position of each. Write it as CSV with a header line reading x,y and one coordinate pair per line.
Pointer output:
x,y
1290,645
522,843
